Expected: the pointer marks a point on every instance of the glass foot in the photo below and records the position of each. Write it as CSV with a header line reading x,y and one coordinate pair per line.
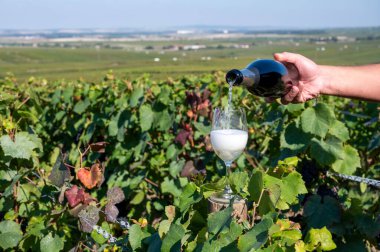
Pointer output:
x,y
225,196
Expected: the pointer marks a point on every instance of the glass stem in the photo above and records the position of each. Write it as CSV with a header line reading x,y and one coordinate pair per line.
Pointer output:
x,y
227,187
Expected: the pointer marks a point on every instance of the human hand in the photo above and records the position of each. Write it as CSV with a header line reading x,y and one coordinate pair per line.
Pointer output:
x,y
305,78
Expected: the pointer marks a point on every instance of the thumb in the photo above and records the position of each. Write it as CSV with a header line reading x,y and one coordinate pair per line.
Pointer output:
x,y
288,57
279,56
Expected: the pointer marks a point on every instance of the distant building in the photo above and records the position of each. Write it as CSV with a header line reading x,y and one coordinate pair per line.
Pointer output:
x,y
193,47
184,32
242,46
171,48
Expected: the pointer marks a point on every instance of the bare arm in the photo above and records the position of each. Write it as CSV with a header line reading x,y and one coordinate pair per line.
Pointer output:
x,y
361,82
309,80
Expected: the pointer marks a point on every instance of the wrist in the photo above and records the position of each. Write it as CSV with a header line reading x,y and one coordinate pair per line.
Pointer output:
x,y
325,81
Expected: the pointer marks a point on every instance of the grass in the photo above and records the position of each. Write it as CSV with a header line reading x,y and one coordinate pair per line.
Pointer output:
x,y
92,64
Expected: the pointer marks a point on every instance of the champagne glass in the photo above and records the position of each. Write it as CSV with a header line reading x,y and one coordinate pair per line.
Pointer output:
x,y
229,137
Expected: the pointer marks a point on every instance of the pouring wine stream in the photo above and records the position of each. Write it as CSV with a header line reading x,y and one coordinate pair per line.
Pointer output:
x,y
228,137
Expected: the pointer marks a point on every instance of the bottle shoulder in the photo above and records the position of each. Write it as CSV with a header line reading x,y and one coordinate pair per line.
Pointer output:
x,y
265,66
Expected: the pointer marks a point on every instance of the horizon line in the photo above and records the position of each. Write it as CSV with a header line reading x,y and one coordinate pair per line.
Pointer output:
x,y
192,27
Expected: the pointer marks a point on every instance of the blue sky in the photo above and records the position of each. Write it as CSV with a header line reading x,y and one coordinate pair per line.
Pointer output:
x,y
47,14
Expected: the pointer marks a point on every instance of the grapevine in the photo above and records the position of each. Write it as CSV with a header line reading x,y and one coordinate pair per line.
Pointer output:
x,y
128,165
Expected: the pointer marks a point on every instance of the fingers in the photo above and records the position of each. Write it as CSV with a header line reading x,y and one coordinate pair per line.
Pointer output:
x,y
290,96
288,57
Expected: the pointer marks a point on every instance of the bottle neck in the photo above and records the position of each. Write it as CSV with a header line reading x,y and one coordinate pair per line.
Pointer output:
x,y
251,77
245,77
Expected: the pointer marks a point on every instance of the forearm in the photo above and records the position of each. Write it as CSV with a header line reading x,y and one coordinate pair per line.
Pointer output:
x,y
361,82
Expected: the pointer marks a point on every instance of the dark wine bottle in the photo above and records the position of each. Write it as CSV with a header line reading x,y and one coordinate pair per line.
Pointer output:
x,y
266,78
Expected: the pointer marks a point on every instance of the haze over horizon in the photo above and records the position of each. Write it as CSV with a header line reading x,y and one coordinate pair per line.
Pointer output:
x,y
164,14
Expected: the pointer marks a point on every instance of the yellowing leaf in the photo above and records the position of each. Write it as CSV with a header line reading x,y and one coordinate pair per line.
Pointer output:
x,y
90,177
319,239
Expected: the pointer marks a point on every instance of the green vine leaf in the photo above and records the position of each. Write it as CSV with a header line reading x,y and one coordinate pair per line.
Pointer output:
x,y
317,120
99,237
50,243
146,117
81,106
294,138
290,185
137,97
339,130
36,226
256,237
227,237
22,146
190,195
136,235
256,184
172,240
164,228
349,162
10,234
218,220
60,173
239,183
318,213
326,152
320,240
270,200
163,121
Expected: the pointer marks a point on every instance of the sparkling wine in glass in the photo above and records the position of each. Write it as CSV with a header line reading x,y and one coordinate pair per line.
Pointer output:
x,y
228,138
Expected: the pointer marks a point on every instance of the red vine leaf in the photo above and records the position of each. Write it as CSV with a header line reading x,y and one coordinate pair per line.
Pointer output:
x,y
188,169
182,137
99,147
74,196
111,212
115,195
88,218
90,177
206,94
193,99
203,108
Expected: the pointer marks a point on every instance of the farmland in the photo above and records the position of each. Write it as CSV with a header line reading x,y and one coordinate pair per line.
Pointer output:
x,y
163,57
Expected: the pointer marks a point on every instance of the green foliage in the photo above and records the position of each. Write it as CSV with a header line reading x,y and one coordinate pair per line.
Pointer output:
x,y
10,234
255,237
321,211
349,162
172,240
21,146
136,235
320,240
218,220
317,120
50,243
78,155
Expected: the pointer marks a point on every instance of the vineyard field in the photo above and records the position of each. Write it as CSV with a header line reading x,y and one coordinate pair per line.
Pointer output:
x,y
105,146
126,165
